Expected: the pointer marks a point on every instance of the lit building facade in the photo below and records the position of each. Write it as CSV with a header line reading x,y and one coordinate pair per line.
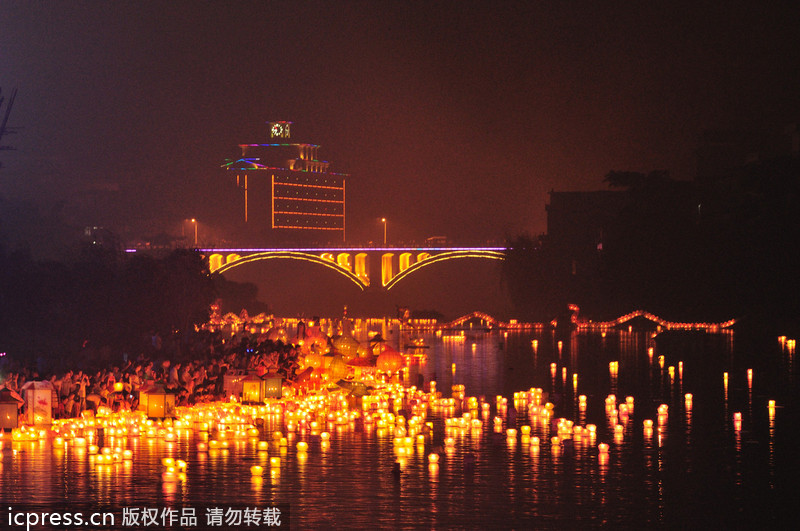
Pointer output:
x,y
287,188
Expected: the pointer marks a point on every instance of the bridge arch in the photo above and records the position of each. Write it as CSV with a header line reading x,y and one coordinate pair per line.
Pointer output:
x,y
326,261
450,255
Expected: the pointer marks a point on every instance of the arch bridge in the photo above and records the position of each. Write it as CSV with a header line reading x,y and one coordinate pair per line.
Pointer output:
x,y
364,266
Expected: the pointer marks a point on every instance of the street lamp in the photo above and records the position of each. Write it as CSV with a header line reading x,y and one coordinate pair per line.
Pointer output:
x,y
383,220
194,221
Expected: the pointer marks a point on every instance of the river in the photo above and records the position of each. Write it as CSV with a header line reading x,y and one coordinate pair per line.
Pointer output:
x,y
697,467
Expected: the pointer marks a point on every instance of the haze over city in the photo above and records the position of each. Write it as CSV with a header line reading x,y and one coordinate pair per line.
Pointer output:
x,y
451,118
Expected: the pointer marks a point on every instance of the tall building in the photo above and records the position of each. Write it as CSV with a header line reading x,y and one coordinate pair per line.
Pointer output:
x,y
287,189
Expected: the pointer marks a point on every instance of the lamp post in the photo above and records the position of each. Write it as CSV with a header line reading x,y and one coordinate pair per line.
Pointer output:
x,y
383,220
194,222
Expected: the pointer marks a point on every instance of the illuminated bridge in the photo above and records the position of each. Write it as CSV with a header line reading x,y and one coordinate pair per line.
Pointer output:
x,y
364,266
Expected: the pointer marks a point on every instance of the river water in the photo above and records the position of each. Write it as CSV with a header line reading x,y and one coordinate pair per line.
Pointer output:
x,y
696,469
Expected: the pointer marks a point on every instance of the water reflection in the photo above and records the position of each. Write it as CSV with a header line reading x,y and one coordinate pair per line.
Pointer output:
x,y
664,412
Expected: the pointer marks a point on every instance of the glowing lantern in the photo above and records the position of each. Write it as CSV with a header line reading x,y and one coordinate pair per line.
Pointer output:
x,y
337,368
347,346
314,360
9,410
232,384
252,390
160,402
389,361
271,386
38,402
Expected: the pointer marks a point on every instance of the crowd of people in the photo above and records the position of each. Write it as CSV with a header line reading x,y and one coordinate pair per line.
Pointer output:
x,y
196,376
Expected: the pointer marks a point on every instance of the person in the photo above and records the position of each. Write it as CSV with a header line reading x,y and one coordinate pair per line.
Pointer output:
x,y
174,377
83,383
66,385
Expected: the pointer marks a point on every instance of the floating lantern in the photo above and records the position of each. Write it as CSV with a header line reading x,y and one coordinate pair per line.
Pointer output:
x,y
271,386
38,402
159,402
302,446
252,389
256,470
274,462
9,409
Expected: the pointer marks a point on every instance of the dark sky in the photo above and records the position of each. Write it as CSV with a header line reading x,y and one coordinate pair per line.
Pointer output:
x,y
453,118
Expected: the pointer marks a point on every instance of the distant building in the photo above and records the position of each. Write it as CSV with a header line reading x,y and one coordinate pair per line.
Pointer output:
x,y
433,241
287,188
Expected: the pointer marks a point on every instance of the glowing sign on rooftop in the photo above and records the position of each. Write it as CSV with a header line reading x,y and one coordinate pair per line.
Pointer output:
x,y
280,129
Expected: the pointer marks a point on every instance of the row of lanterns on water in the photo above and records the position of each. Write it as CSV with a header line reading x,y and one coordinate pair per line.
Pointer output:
x,y
315,412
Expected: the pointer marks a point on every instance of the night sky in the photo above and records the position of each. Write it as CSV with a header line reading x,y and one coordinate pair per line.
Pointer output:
x,y
452,118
